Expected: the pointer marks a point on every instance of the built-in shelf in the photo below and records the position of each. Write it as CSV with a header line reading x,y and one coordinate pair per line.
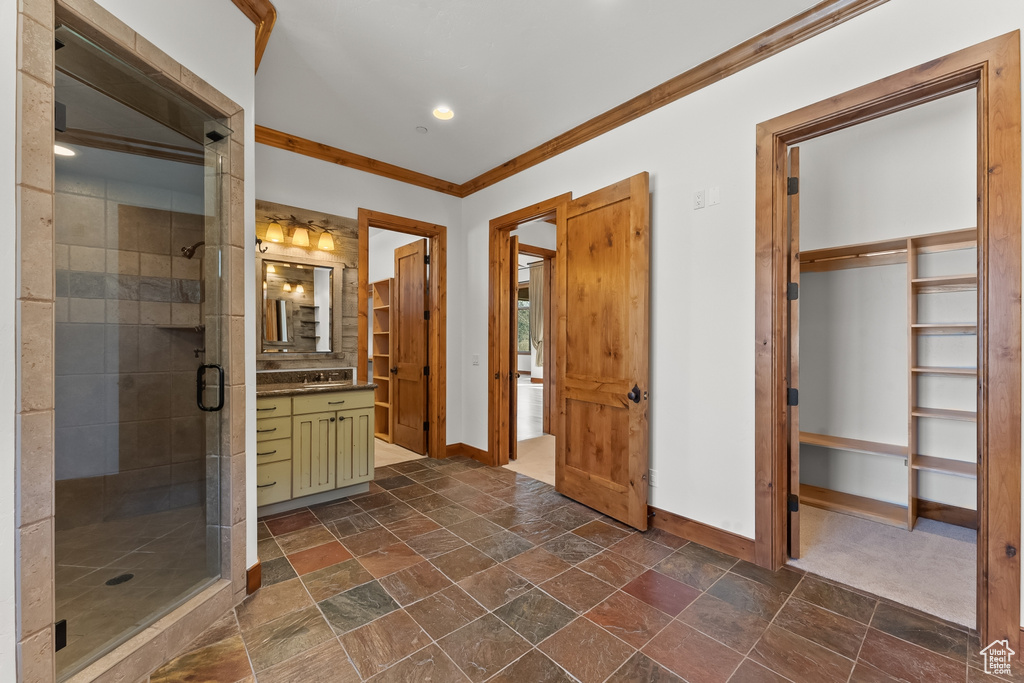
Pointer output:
x,y
962,372
380,378
381,359
957,468
944,414
945,283
945,328
857,506
856,445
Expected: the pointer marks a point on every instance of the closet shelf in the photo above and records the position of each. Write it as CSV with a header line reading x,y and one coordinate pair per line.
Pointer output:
x,y
856,445
945,283
943,414
857,506
945,328
957,468
380,404
970,372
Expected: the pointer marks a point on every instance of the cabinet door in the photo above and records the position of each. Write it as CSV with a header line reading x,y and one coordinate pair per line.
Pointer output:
x,y
314,441
355,446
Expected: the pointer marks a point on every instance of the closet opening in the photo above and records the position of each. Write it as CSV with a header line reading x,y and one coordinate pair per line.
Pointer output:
x,y
888,338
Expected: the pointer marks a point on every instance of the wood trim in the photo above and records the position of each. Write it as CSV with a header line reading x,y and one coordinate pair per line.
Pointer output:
x,y
438,332
264,15
464,449
698,532
531,250
950,514
316,150
498,399
793,31
993,69
253,578
537,380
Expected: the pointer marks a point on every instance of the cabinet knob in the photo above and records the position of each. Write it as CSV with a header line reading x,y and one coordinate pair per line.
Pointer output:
x,y
332,419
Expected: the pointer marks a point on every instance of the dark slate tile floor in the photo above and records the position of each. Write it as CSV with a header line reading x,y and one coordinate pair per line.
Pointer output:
x,y
448,571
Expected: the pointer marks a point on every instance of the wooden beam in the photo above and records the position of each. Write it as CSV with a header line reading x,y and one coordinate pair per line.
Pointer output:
x,y
793,31
264,15
293,143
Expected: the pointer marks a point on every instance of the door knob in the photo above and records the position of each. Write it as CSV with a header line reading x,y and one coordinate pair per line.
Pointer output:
x,y
634,395
517,375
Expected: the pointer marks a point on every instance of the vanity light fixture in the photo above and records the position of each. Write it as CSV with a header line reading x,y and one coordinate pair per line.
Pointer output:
x,y
62,151
275,233
443,113
287,287
299,289
271,268
326,242
300,238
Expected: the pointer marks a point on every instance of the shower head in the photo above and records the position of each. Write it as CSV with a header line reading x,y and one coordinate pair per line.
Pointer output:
x,y
189,252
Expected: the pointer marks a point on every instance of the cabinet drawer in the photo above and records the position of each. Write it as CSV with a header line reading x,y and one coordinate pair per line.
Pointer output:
x,y
323,403
273,482
273,406
273,451
273,428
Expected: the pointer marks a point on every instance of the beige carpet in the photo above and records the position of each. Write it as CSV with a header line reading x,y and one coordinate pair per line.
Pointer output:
x,y
536,459
931,569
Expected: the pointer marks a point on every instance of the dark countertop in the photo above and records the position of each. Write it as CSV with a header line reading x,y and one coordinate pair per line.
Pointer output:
x,y
299,389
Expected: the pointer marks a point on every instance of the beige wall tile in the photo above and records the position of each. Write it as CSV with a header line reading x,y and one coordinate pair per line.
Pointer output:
x,y
35,466
157,58
154,313
236,280
61,309
87,311
185,314
40,10
237,158
89,259
236,364
208,93
122,262
34,161
102,21
238,492
155,265
123,312
35,216
237,407
62,256
186,269
237,226
36,658
35,546
79,220
35,49
36,356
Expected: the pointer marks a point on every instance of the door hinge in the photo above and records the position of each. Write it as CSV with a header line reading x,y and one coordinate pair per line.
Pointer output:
x,y
426,426
426,370
793,291
792,186
426,315
60,635
426,259
794,503
792,397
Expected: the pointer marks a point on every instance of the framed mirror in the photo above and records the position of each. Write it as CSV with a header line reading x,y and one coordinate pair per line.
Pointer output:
x,y
298,305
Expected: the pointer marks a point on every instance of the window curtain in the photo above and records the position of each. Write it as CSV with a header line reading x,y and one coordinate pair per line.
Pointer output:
x,y
537,310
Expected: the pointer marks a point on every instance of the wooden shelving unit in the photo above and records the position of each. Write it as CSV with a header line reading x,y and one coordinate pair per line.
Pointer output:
x,y
382,350
907,250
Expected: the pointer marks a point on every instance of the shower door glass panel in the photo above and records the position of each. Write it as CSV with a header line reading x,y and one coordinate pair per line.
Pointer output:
x,y
138,230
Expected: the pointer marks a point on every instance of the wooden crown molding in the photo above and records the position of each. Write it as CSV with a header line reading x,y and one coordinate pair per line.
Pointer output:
x,y
793,31
264,15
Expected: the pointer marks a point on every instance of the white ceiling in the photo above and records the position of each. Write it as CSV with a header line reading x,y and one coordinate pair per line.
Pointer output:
x,y
363,74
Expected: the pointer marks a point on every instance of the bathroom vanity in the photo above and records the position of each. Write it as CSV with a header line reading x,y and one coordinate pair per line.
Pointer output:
x,y
314,438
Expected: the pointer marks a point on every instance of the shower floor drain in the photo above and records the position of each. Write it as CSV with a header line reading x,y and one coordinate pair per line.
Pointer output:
x,y
120,579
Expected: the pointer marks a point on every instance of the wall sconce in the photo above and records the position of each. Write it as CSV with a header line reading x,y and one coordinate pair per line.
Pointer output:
x,y
300,238
326,242
287,287
275,233
299,289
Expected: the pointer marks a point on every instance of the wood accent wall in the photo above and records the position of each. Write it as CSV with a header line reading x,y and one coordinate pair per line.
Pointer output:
x,y
793,31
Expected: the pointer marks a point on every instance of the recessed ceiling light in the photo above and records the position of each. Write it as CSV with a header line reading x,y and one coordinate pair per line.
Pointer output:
x,y
62,151
443,113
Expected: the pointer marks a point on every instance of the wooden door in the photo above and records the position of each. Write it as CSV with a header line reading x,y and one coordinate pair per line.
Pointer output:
x,y
793,215
409,329
314,444
513,346
602,350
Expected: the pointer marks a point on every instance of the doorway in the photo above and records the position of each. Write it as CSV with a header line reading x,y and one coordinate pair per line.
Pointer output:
x,y
991,71
401,333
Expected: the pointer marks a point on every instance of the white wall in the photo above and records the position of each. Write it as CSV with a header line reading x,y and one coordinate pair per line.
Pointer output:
x,y
381,258
297,180
8,345
702,305
911,173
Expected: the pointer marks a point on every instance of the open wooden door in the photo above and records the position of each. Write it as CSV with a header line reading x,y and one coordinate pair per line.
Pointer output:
x,y
513,346
603,283
409,369
793,215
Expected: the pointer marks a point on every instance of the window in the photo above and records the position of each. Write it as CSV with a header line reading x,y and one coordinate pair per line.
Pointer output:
x,y
524,318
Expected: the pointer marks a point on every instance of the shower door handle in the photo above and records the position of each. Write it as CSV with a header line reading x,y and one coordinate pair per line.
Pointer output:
x,y
201,385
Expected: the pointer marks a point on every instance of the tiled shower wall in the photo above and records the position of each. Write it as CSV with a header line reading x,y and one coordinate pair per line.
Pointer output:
x,y
129,438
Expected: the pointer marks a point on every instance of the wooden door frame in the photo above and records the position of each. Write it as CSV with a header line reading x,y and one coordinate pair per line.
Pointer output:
x,y
498,399
549,257
992,68
438,328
